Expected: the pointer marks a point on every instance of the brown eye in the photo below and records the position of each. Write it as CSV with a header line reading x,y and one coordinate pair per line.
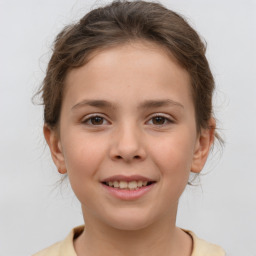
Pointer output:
x,y
97,120
158,120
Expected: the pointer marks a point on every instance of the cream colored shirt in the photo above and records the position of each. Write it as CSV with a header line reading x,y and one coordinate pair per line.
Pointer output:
x,y
66,247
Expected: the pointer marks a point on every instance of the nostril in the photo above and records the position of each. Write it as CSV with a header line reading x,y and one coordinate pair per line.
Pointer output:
x,y
135,157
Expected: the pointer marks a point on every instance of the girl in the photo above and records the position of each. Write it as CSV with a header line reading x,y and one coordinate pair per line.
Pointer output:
x,y
128,116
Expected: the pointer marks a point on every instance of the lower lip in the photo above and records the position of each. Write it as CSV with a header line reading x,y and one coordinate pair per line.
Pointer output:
x,y
126,194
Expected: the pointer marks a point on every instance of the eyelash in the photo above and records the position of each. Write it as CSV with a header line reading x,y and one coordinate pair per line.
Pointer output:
x,y
93,117
167,120
88,120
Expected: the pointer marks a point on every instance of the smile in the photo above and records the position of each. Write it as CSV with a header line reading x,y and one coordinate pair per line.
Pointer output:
x,y
131,185
128,187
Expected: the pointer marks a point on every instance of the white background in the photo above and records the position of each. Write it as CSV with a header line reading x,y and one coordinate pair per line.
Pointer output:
x,y
35,212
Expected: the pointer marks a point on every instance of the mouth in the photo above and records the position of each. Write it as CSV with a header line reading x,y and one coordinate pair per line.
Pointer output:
x,y
128,185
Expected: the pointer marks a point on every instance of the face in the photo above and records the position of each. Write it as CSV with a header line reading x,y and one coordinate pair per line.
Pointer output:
x,y
128,119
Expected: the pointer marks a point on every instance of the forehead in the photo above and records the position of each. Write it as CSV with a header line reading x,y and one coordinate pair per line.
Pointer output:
x,y
141,67
132,50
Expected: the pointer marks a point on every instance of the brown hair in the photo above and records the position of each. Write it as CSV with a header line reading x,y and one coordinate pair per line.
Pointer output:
x,y
118,23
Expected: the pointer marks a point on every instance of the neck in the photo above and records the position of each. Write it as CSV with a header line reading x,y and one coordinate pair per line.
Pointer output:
x,y
161,238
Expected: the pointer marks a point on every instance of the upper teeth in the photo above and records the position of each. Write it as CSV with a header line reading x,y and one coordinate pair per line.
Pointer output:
x,y
125,184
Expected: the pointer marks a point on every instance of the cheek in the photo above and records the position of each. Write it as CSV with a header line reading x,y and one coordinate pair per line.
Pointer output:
x,y
174,155
82,156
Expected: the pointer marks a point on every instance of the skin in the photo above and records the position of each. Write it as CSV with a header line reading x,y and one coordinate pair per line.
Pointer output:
x,y
128,140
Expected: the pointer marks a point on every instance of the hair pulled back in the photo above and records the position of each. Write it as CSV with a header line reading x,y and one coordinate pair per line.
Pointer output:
x,y
118,23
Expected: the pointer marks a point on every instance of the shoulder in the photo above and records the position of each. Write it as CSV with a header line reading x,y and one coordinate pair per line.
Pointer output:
x,y
204,248
62,248
53,250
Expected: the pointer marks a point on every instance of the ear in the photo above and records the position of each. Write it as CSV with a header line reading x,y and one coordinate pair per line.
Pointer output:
x,y
203,145
53,141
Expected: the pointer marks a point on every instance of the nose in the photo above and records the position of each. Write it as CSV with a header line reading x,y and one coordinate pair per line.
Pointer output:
x,y
127,144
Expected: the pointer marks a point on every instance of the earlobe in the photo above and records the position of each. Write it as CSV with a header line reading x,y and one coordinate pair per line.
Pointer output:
x,y
203,147
53,141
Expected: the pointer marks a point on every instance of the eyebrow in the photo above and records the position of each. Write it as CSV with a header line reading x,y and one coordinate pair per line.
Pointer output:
x,y
93,103
144,105
159,103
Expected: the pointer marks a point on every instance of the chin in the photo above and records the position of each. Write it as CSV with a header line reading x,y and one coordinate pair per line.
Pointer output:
x,y
130,222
